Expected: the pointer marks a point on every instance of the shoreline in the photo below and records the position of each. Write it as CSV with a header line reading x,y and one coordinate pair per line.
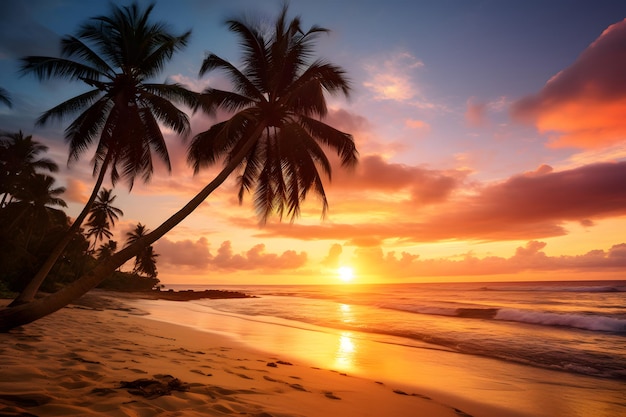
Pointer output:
x,y
108,360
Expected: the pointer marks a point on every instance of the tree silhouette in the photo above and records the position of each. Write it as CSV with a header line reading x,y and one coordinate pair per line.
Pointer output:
x,y
102,216
115,56
19,162
279,102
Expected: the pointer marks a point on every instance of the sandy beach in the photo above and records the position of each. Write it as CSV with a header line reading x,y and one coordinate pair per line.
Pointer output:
x,y
99,359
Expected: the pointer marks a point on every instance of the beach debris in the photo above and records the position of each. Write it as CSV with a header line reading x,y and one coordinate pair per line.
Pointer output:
x,y
154,388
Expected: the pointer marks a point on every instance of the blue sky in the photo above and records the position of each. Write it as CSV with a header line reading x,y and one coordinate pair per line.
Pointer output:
x,y
436,85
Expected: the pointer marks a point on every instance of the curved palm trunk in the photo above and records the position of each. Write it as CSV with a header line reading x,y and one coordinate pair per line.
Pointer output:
x,y
29,292
26,313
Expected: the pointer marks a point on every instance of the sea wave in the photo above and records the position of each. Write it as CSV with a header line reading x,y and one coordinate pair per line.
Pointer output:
x,y
579,321
554,288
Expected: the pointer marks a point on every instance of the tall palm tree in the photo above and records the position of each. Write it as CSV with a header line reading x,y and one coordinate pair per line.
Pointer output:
x,y
278,106
116,56
5,97
278,93
102,216
19,161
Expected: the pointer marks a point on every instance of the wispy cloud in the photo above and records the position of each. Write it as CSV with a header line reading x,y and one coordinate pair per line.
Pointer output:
x,y
393,78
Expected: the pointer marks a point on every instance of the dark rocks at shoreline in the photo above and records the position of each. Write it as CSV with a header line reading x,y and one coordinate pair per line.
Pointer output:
x,y
189,295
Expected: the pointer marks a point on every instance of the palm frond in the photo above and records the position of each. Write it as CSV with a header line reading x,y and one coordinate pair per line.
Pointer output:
x,y
72,46
166,112
240,82
46,67
341,142
211,98
69,107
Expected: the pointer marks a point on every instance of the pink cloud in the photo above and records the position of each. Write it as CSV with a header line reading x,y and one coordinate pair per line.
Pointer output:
x,y
475,115
184,253
527,206
583,105
76,191
375,174
417,124
256,258
196,255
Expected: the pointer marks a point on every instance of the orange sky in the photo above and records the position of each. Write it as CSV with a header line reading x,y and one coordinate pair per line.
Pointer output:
x,y
493,183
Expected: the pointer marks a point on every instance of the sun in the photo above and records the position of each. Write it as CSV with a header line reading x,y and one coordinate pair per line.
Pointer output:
x,y
346,274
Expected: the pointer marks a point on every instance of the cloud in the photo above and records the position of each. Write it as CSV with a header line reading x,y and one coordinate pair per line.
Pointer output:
x,y
583,105
196,256
527,206
256,258
417,124
184,253
76,191
393,79
528,258
426,186
332,259
475,115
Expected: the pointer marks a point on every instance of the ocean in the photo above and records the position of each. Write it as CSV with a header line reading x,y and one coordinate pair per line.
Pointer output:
x,y
564,340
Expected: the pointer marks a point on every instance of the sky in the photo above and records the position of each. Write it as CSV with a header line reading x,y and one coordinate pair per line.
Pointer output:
x,y
491,139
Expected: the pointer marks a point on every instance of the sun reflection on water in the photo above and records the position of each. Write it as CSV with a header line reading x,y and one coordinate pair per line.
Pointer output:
x,y
345,313
346,350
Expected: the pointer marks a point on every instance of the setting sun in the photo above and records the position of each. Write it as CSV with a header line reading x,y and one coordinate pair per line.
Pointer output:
x,y
346,274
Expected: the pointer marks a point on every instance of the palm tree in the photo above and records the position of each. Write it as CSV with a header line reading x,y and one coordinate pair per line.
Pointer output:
x,y
115,56
34,202
102,216
19,161
107,249
5,97
278,94
145,261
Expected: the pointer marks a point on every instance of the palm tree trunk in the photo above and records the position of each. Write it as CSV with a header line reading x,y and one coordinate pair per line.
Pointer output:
x,y
29,292
18,315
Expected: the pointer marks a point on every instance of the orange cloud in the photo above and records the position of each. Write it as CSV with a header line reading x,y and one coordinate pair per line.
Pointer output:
x,y
417,124
527,206
583,105
332,260
527,258
76,191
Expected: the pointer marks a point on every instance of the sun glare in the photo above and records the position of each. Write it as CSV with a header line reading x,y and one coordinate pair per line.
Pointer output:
x,y
346,274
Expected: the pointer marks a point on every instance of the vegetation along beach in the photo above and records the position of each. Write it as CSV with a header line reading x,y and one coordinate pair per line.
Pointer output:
x,y
289,209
